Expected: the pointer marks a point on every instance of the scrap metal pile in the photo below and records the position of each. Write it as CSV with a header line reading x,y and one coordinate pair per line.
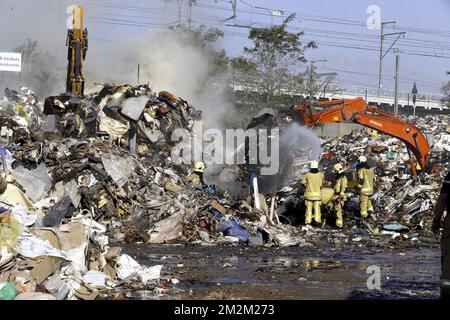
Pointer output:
x,y
72,193
403,205
69,191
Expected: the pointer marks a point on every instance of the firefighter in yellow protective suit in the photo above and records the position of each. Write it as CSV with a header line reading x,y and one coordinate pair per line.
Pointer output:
x,y
419,169
340,187
313,182
366,180
197,176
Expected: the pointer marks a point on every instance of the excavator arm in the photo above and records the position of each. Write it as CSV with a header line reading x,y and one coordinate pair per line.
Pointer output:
x,y
357,111
77,43
77,46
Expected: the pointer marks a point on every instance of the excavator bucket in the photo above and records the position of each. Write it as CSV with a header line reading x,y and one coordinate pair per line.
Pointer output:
x,y
77,46
358,111
58,105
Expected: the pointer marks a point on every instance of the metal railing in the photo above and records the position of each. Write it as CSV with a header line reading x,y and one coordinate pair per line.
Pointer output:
x,y
254,84
361,91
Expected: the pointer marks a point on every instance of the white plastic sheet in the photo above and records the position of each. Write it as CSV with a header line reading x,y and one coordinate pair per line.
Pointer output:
x,y
95,278
93,226
37,183
78,258
21,122
102,241
22,216
30,246
118,168
127,266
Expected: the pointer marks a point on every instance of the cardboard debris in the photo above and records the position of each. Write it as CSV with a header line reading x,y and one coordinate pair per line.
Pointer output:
x,y
167,230
98,169
44,269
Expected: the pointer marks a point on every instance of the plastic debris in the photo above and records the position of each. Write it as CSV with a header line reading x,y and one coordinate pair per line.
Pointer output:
x,y
37,183
128,267
95,278
58,212
35,296
7,291
98,170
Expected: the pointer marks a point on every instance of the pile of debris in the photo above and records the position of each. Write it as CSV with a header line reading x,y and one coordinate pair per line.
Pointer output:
x,y
83,176
120,111
403,206
19,110
65,189
71,193
49,241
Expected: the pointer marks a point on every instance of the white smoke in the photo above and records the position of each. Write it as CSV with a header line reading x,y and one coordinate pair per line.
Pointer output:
x,y
169,61
298,146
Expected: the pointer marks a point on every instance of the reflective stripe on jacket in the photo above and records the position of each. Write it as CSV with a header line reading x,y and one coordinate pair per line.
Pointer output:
x,y
313,183
193,178
366,181
341,186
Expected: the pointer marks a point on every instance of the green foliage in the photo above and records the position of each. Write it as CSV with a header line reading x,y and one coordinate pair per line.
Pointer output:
x,y
312,80
446,92
276,42
272,64
38,68
206,39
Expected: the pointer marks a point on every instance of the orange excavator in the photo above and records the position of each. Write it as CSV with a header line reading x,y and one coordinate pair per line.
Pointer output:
x,y
358,111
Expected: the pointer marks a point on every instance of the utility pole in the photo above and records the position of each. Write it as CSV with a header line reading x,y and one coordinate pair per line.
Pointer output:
x,y
180,4
190,12
234,6
139,75
382,55
414,92
397,66
328,80
311,82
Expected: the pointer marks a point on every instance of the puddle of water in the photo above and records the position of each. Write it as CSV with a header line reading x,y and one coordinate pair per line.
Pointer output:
x,y
294,274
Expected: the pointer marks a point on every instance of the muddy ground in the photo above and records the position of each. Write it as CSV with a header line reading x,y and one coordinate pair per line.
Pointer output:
x,y
240,272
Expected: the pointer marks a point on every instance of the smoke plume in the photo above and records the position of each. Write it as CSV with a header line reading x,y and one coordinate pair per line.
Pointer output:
x,y
169,61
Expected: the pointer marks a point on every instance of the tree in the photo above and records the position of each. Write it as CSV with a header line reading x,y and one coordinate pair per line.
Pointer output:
x,y
446,92
206,39
206,84
312,79
273,63
38,71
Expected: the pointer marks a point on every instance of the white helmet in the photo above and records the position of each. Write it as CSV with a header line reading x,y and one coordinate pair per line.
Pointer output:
x,y
362,159
314,164
338,168
199,167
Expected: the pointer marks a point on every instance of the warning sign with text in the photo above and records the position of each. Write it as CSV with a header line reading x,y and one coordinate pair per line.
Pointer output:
x,y
10,61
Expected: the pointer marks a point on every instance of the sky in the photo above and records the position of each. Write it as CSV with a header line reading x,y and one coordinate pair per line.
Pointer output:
x,y
339,28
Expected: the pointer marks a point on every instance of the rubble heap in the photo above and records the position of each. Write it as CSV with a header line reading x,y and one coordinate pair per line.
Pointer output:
x,y
71,192
65,189
404,206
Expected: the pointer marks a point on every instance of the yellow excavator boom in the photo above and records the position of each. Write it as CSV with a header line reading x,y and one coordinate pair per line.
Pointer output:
x,y
77,43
